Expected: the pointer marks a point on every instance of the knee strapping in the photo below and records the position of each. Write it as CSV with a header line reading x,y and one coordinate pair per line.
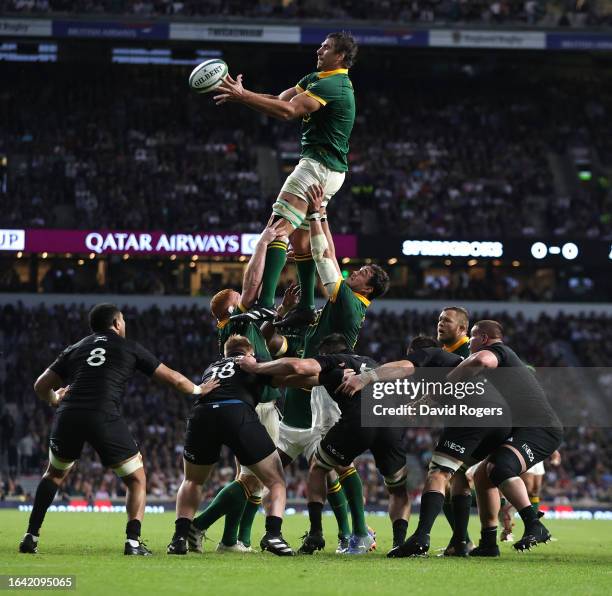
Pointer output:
x,y
129,467
505,465
284,209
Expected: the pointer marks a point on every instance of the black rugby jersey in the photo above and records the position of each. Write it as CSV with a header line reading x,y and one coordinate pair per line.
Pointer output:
x,y
332,372
235,384
97,369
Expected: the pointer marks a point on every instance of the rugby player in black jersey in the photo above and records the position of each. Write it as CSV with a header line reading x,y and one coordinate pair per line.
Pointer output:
x,y
457,448
525,447
86,384
226,416
345,440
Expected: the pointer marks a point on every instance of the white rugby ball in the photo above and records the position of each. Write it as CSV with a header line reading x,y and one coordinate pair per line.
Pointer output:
x,y
207,76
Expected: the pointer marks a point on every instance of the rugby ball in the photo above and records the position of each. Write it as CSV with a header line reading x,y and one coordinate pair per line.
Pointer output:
x,y
208,76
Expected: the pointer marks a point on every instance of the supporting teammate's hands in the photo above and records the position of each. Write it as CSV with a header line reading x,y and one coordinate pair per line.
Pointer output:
x,y
272,232
351,383
209,386
247,363
291,297
230,90
315,196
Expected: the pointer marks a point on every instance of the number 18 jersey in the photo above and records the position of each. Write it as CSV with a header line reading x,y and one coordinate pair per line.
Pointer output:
x,y
97,369
234,383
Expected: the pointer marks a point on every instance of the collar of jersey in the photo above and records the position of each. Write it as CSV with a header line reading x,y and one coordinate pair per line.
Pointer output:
x,y
331,73
362,298
457,344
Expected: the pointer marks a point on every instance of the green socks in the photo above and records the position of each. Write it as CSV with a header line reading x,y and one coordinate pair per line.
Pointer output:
x,y
248,517
307,277
276,256
230,501
353,489
339,504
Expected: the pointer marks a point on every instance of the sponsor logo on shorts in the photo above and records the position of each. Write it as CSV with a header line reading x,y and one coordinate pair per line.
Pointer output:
x,y
53,446
454,446
528,451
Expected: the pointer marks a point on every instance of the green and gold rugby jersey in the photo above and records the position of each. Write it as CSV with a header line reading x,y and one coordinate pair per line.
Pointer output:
x,y
461,347
326,132
343,313
226,328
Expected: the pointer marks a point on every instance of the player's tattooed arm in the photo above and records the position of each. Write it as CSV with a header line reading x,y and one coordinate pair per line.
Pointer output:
x,y
46,386
390,371
473,365
299,105
175,379
253,273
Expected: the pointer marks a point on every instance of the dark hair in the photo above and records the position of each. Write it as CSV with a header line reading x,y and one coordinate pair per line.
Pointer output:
x,y
344,43
333,344
422,341
462,312
101,317
379,281
491,328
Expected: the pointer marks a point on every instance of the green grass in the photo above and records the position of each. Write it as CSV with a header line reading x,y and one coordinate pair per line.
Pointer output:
x,y
90,546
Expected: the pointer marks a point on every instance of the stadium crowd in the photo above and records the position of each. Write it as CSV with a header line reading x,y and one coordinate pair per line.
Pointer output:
x,y
563,13
130,148
156,415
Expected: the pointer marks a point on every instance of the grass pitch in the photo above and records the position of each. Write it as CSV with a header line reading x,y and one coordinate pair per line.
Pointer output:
x,y
90,547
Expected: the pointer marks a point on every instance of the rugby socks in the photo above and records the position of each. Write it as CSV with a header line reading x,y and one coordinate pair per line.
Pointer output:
x,y
353,489
276,255
248,517
462,505
132,530
400,527
431,506
535,503
231,499
45,493
448,512
181,528
339,504
307,277
273,525
528,515
315,515
488,536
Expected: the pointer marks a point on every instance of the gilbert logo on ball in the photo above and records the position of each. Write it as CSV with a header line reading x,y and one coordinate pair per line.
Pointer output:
x,y
208,76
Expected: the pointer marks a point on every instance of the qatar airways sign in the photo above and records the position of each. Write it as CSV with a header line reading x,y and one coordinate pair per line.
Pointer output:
x,y
103,242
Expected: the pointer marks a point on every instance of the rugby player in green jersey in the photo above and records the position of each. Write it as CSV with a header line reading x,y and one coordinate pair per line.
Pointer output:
x,y
325,102
240,499
308,416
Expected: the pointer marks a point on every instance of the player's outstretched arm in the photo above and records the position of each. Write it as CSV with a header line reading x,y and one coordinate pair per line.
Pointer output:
x,y
253,273
305,367
390,371
473,365
175,379
46,386
299,105
323,256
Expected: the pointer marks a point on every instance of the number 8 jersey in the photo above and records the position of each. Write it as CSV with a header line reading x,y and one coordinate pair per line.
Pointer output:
x,y
97,369
234,384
